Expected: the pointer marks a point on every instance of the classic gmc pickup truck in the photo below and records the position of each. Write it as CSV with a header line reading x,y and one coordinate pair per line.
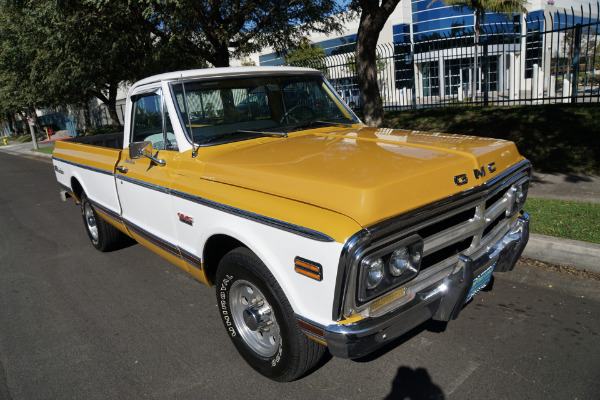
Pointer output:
x,y
316,230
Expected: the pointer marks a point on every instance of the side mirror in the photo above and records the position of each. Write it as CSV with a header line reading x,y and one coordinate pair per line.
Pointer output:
x,y
143,149
139,149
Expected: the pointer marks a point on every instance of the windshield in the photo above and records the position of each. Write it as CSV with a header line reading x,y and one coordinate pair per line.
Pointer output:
x,y
225,110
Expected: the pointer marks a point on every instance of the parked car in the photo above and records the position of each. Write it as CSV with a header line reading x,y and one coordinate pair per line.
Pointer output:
x,y
351,97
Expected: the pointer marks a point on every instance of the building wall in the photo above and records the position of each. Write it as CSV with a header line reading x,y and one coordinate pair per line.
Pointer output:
x,y
424,19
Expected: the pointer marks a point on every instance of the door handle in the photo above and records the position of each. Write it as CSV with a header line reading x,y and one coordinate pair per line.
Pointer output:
x,y
122,170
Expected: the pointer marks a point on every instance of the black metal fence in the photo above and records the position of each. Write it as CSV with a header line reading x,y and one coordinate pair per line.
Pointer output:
x,y
532,60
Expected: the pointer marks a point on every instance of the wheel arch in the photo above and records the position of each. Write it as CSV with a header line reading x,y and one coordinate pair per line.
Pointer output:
x,y
215,248
76,188
278,256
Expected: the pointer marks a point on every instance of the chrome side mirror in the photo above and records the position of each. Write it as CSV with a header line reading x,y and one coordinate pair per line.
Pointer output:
x,y
143,149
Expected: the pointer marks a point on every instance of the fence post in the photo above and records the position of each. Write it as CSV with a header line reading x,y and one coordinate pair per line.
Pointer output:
x,y
575,63
486,74
412,79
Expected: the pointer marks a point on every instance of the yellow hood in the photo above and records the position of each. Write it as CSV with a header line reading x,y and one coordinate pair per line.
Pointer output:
x,y
367,174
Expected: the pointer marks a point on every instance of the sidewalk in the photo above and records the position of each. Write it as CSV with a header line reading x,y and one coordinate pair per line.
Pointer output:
x,y
26,149
553,250
571,253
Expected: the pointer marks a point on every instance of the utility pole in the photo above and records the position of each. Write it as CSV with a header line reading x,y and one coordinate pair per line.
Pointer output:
x,y
30,123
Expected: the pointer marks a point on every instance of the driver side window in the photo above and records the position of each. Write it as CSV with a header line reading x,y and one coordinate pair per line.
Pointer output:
x,y
150,122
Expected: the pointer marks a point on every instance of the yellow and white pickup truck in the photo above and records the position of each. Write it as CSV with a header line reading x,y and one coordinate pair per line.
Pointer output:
x,y
316,230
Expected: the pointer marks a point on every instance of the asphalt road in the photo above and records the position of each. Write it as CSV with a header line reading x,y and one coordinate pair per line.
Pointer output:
x,y
79,324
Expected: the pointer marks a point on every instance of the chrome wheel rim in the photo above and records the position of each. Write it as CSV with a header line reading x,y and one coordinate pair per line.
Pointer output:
x,y
254,318
90,221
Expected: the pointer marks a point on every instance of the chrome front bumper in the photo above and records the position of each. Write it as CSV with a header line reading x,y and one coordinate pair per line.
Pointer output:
x,y
441,301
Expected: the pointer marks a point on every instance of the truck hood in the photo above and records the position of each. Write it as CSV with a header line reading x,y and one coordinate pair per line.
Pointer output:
x,y
367,174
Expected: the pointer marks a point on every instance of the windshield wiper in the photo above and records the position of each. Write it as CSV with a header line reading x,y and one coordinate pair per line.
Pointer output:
x,y
265,133
309,124
241,131
332,123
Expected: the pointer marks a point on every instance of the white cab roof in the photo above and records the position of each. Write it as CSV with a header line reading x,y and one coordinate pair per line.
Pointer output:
x,y
224,72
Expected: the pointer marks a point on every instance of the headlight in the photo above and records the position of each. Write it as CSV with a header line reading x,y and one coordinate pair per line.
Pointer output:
x,y
374,272
399,261
403,261
389,267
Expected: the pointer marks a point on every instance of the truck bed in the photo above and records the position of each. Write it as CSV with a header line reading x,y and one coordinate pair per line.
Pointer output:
x,y
111,140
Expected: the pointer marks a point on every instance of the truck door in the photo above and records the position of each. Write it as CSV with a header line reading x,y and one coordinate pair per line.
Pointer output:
x,y
143,183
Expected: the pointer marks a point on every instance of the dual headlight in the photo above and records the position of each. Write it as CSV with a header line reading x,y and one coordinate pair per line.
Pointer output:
x,y
389,267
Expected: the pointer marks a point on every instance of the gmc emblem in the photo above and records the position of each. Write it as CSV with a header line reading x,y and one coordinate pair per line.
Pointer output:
x,y
185,219
462,179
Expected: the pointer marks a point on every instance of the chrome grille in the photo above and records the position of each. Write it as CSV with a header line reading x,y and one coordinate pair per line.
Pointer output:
x,y
468,223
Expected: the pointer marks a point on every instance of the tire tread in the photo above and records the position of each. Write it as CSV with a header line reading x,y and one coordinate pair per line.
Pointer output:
x,y
108,235
310,352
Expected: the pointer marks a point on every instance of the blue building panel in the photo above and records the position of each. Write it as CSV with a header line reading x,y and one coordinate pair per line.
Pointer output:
x,y
401,33
346,44
439,13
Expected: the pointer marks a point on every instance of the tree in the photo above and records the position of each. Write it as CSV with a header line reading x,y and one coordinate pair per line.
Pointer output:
x,y
373,16
93,49
15,56
305,51
59,52
351,64
307,55
247,62
479,7
217,31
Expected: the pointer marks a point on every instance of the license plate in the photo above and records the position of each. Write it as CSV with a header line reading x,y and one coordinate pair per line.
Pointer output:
x,y
480,282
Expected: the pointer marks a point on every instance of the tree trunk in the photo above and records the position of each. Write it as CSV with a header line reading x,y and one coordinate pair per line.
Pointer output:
x,y
221,56
24,124
12,126
111,104
366,72
372,19
87,120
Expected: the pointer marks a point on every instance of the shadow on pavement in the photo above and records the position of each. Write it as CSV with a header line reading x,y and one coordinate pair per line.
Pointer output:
x,y
412,384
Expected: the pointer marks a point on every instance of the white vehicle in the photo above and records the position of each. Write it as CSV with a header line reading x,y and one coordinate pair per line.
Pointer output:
x,y
351,97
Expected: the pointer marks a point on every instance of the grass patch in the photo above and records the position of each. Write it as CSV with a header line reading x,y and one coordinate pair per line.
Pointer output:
x,y
47,150
22,139
554,137
566,219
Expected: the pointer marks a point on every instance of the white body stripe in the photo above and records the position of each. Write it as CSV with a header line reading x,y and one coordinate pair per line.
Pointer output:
x,y
276,248
99,186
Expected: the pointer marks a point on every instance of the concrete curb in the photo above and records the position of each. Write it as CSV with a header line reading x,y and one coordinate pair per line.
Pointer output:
x,y
570,253
24,149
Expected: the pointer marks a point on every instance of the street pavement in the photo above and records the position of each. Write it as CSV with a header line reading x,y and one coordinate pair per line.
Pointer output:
x,y
553,250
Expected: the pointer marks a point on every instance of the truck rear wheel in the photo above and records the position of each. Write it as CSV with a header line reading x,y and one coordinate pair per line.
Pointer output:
x,y
259,319
103,235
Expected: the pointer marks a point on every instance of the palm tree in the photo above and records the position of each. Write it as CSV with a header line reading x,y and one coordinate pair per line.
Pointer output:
x,y
479,7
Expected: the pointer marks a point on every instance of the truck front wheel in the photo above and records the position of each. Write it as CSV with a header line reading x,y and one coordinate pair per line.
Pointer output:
x,y
103,235
259,319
